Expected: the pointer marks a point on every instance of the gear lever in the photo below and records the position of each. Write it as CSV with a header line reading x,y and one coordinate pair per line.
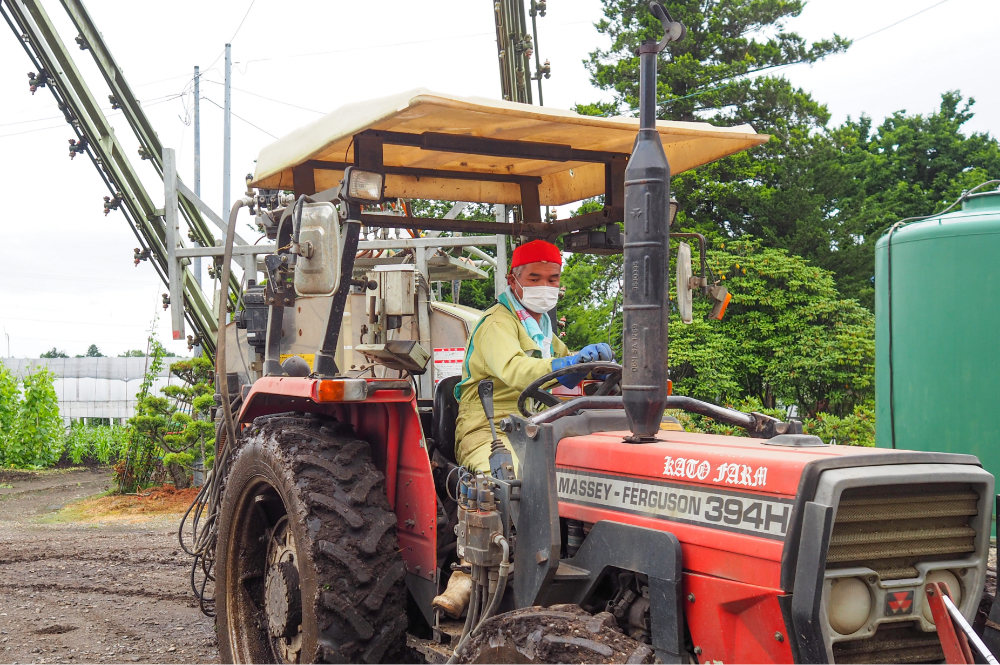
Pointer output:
x,y
501,460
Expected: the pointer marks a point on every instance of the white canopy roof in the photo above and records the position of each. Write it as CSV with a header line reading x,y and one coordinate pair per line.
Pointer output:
x,y
329,139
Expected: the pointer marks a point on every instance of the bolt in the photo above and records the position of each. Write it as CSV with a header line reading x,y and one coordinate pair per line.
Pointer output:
x,y
691,597
778,636
697,651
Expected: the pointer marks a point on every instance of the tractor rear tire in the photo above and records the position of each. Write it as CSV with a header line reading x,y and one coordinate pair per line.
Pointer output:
x,y
308,563
556,634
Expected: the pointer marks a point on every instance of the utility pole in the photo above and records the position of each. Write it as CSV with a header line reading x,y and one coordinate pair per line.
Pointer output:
x,y
226,136
197,154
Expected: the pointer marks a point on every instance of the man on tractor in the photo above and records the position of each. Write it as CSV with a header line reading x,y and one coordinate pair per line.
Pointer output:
x,y
513,344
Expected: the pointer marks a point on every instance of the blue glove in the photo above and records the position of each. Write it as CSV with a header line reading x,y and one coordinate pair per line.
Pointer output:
x,y
589,354
596,352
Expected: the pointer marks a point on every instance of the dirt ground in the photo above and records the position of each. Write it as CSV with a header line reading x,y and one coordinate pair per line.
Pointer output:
x,y
84,589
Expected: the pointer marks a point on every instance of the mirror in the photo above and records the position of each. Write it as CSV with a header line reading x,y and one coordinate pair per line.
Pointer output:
x,y
317,270
684,282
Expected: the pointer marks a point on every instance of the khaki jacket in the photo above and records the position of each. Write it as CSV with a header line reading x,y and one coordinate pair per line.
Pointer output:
x,y
499,349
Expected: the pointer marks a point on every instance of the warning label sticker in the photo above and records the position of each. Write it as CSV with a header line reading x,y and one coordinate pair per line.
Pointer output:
x,y
448,362
716,508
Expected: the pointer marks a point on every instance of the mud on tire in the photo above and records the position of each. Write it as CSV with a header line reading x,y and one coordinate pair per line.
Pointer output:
x,y
320,476
556,634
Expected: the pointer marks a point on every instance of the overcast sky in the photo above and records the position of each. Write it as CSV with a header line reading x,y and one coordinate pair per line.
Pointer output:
x,y
66,273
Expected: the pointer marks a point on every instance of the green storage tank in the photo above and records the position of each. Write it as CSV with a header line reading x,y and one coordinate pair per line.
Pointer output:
x,y
943,314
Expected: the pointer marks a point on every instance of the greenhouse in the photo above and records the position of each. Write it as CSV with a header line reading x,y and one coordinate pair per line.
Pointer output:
x,y
88,388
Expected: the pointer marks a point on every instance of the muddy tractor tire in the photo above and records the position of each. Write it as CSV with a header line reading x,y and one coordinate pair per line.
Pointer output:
x,y
556,634
308,564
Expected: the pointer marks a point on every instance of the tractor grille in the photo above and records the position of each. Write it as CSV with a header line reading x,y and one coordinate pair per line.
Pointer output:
x,y
900,643
889,529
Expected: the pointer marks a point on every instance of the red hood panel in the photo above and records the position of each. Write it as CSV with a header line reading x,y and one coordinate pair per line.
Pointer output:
x,y
701,459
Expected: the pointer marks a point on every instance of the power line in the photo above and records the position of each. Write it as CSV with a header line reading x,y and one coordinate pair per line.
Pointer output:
x,y
234,35
207,99
241,22
367,47
277,101
798,62
893,25
63,124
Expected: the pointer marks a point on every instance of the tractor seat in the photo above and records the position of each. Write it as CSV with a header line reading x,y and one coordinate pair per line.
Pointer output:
x,y
445,413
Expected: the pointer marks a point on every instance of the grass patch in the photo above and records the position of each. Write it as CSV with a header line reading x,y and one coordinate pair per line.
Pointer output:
x,y
153,502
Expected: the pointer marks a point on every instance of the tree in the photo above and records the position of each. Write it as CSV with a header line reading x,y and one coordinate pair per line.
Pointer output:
x,y
54,353
866,178
94,352
134,353
788,336
703,77
178,433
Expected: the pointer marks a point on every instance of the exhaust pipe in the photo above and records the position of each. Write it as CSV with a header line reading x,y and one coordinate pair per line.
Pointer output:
x,y
647,254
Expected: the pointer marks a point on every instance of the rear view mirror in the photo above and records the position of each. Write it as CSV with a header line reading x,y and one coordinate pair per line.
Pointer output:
x,y
720,297
317,270
684,282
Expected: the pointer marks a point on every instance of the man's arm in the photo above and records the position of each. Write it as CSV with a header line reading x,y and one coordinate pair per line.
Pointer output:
x,y
506,359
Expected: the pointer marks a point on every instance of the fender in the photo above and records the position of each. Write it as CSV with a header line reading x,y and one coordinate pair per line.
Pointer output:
x,y
388,420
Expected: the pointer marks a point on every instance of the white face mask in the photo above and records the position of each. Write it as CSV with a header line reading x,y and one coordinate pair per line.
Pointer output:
x,y
539,299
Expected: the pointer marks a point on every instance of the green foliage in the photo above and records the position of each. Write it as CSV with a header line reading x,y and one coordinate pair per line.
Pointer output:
x,y
861,179
693,422
725,41
476,293
10,396
35,438
175,426
54,353
134,469
787,337
185,459
853,429
99,443
92,352
824,193
134,353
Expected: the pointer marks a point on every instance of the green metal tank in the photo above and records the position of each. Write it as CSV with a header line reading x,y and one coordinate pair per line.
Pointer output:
x,y
938,382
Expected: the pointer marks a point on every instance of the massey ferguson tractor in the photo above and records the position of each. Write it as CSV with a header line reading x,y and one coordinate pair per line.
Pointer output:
x,y
336,510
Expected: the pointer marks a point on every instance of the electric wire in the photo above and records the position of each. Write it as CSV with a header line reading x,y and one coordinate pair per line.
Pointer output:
x,y
797,62
208,99
254,94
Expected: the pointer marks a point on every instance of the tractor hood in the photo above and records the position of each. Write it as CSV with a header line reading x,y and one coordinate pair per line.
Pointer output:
x,y
329,140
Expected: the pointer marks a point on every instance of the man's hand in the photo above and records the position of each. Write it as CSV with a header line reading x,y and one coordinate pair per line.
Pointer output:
x,y
589,354
593,353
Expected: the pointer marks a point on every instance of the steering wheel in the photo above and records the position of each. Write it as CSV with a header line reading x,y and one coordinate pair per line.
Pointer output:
x,y
534,390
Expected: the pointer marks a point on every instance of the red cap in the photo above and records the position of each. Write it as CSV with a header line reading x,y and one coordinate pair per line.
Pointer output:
x,y
534,252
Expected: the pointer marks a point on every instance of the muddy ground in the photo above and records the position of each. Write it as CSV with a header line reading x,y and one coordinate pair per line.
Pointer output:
x,y
110,590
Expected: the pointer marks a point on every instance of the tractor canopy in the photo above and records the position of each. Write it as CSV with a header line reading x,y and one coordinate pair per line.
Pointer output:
x,y
437,146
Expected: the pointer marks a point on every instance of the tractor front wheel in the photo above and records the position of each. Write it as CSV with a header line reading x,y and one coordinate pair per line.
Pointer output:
x,y
308,564
556,634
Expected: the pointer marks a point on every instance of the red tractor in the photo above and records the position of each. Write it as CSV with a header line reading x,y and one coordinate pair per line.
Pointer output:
x,y
336,511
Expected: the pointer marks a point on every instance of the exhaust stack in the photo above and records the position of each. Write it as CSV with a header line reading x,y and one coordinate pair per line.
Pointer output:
x,y
647,253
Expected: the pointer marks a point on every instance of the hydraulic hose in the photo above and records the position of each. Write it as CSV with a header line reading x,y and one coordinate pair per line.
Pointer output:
x,y
220,355
203,535
493,605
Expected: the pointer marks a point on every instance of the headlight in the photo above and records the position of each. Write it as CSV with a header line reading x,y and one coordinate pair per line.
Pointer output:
x,y
849,605
364,186
948,578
